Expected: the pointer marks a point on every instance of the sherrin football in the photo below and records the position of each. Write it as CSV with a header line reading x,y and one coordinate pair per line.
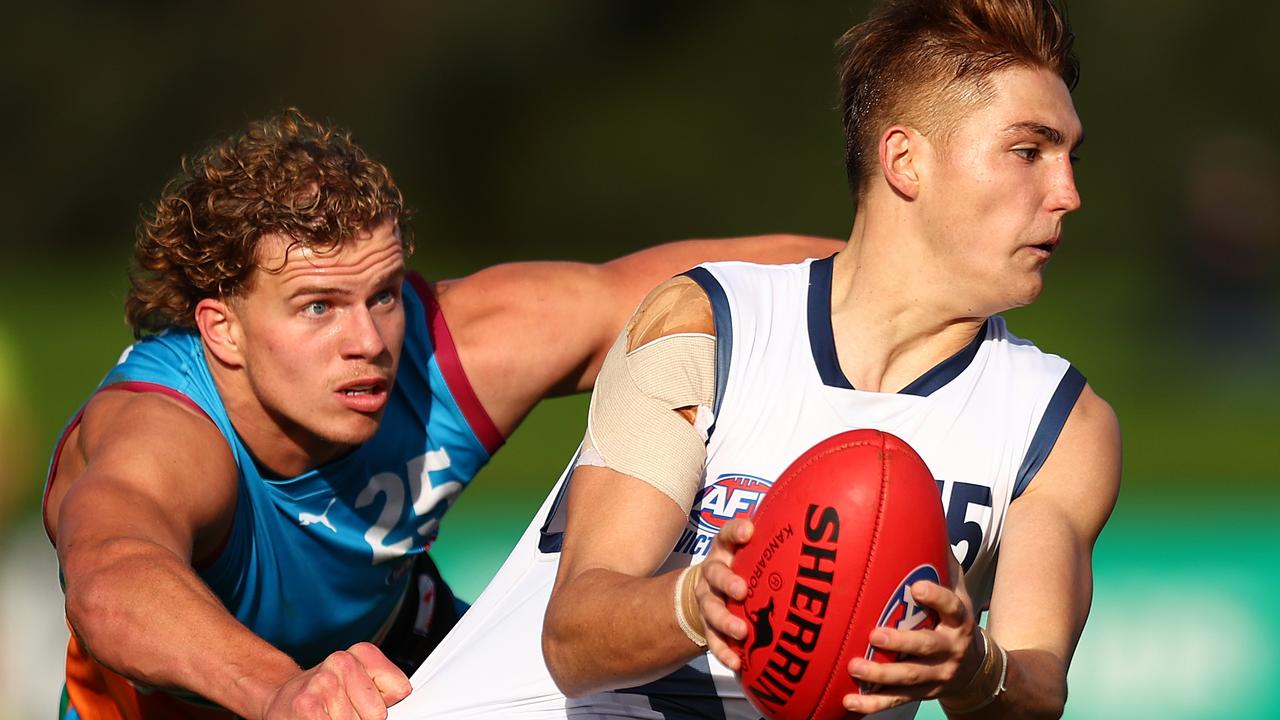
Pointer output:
x,y
839,539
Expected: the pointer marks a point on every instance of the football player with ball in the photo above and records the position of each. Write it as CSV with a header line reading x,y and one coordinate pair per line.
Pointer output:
x,y
960,138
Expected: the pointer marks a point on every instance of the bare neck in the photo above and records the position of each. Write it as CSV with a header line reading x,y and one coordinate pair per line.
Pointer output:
x,y
892,312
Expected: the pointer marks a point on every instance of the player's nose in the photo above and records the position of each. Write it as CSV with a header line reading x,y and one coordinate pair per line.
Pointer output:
x,y
361,336
1065,196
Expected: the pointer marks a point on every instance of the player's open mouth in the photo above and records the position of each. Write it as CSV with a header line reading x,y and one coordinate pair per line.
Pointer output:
x,y
1046,248
365,395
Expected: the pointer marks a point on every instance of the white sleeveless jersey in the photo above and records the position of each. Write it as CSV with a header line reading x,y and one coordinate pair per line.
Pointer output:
x,y
983,420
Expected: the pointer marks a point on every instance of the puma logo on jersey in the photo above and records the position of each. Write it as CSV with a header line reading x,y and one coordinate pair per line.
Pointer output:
x,y
306,518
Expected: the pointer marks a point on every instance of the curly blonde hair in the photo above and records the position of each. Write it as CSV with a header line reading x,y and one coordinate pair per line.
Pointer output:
x,y
287,175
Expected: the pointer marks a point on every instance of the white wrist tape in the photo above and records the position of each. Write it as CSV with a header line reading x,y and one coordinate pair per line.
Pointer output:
x,y
987,682
682,619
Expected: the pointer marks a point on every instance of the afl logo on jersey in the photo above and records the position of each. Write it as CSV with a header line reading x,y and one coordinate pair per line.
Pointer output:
x,y
730,496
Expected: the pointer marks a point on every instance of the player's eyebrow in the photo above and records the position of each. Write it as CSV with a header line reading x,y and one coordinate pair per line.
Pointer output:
x,y
1051,134
394,277
318,290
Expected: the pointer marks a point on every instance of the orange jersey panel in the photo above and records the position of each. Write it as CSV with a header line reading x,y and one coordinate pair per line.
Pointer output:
x,y
97,693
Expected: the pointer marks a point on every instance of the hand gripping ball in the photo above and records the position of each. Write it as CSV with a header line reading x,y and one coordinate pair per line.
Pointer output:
x,y
839,539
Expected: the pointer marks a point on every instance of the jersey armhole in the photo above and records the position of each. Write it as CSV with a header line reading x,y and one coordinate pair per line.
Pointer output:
x,y
446,354
722,320
1051,423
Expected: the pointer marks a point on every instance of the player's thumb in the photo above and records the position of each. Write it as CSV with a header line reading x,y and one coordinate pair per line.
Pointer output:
x,y
391,682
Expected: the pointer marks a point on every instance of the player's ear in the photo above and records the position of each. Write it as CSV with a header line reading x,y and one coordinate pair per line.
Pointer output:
x,y
901,151
220,327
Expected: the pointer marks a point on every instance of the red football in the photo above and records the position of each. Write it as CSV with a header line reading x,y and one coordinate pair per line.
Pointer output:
x,y
839,539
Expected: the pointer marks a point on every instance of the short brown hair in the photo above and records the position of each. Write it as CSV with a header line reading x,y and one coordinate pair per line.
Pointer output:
x,y
925,63
287,175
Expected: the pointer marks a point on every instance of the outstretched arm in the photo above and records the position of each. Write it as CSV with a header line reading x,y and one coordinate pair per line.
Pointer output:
x,y
147,485
1043,589
528,330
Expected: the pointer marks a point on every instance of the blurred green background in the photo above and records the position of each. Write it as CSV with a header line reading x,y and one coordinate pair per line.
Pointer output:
x,y
587,129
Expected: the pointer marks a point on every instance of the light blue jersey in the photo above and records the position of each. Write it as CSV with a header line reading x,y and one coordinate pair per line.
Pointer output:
x,y
320,561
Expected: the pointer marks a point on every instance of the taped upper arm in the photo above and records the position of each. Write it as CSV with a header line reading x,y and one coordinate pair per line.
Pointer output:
x,y
1044,581
651,407
627,506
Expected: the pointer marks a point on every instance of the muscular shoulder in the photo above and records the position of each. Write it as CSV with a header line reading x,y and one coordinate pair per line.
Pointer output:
x,y
111,412
153,448
1082,472
1091,435
1096,417
677,306
658,383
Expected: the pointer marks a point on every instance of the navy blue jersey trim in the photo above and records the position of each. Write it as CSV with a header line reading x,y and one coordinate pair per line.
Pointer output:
x,y
552,542
1055,416
723,321
822,341
688,692
947,370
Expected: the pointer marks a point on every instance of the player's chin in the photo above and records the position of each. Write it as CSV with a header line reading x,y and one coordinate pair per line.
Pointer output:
x,y
1025,288
353,428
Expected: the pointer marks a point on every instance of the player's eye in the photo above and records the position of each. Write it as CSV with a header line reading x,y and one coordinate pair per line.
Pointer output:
x,y
386,297
1075,159
1028,154
315,309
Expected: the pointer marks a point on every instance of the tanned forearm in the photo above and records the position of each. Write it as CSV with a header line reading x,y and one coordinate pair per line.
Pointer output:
x,y
606,630
1035,688
139,609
